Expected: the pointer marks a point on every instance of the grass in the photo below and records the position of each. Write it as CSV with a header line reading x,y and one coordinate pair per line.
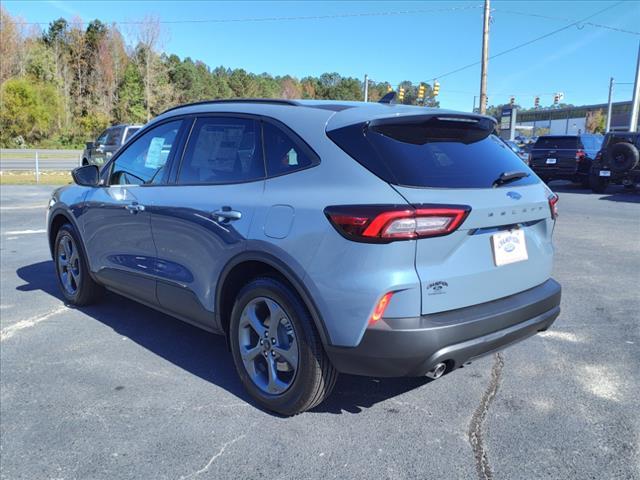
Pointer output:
x,y
29,178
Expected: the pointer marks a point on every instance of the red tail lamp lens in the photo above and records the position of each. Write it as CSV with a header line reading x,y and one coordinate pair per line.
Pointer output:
x,y
553,205
383,224
381,306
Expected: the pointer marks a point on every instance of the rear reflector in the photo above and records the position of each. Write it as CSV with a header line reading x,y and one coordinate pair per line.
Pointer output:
x,y
553,205
381,306
383,224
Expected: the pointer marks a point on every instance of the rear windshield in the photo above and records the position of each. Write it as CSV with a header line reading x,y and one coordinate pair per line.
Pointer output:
x,y
432,153
557,143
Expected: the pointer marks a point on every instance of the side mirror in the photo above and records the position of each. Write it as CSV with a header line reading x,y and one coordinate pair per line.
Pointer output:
x,y
87,176
89,145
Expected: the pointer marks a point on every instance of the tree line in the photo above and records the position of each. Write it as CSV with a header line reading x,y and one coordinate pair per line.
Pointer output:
x,y
61,85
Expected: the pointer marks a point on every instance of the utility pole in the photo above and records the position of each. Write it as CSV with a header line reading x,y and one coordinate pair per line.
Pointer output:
x,y
366,87
609,105
633,126
485,58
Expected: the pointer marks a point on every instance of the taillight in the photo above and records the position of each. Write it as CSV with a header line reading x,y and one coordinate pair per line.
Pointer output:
x,y
553,205
380,307
383,224
580,155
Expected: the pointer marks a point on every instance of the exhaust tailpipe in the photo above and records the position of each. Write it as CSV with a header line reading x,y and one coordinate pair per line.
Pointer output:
x,y
437,371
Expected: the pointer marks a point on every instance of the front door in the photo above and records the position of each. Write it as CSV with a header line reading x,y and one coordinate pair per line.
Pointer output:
x,y
203,220
116,220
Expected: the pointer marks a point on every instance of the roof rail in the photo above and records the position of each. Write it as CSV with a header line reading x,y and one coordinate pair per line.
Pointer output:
x,y
274,101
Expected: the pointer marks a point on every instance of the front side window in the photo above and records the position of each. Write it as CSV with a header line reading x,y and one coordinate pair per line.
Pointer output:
x,y
130,132
113,136
143,161
283,154
223,150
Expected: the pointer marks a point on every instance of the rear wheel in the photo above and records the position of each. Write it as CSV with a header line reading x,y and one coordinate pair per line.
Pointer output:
x,y
72,271
276,349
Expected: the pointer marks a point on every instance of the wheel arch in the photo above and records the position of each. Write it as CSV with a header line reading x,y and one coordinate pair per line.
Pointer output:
x,y
251,264
57,218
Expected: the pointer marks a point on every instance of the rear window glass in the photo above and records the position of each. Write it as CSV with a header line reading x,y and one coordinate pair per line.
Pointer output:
x,y
432,154
557,142
130,132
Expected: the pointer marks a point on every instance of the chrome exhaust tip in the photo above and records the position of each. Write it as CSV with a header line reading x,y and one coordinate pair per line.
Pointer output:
x,y
437,371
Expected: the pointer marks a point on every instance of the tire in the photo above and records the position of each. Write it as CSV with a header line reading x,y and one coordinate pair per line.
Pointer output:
x,y
623,156
598,184
72,272
284,388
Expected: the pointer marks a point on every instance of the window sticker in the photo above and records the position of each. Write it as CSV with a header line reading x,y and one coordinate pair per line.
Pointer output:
x,y
293,157
154,158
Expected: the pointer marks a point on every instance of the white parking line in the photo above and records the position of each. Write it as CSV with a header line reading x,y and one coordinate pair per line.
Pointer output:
x,y
26,232
24,207
11,330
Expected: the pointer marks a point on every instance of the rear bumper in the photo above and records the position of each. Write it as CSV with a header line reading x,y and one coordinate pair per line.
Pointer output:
x,y
399,347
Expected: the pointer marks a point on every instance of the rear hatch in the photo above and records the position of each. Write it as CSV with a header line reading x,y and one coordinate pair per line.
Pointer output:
x,y
556,155
442,159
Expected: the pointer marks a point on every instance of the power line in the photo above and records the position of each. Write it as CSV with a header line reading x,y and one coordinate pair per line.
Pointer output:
x,y
547,17
542,37
291,18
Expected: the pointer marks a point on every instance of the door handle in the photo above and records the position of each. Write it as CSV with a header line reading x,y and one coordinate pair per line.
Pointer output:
x,y
225,214
134,207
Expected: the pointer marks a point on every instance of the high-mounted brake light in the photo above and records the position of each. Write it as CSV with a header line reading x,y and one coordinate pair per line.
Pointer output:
x,y
383,224
553,205
381,306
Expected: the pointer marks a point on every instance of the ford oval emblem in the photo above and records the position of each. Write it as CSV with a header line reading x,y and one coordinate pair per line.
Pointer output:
x,y
514,195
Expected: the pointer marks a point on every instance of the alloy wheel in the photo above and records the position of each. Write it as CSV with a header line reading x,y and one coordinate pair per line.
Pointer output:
x,y
268,345
68,260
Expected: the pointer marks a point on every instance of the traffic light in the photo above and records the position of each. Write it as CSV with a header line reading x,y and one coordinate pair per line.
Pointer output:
x,y
421,93
401,94
436,88
389,88
536,102
556,99
512,101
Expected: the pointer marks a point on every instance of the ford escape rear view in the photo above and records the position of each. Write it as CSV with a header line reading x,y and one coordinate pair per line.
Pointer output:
x,y
318,237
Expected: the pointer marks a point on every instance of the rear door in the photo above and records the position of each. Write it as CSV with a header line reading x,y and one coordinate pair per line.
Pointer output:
x,y
203,219
455,162
555,155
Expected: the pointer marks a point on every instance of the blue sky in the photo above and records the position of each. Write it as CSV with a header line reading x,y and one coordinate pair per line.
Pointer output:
x,y
415,46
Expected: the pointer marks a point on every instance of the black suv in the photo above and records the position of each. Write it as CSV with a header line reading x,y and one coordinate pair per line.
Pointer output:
x,y
618,162
565,157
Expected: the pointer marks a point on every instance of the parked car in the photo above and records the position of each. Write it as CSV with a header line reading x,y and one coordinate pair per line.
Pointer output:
x,y
518,151
617,162
564,157
318,237
107,143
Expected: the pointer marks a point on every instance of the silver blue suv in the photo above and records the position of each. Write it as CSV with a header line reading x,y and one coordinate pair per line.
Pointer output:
x,y
319,237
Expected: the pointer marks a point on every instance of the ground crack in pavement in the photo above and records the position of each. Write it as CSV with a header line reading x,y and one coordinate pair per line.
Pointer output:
x,y
479,416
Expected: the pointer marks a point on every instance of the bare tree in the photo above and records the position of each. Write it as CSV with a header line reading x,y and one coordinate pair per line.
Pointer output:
x,y
149,34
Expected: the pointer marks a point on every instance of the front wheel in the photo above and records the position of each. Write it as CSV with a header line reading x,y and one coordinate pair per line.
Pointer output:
x,y
72,269
276,349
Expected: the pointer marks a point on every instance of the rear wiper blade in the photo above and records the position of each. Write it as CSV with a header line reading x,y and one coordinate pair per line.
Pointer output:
x,y
507,177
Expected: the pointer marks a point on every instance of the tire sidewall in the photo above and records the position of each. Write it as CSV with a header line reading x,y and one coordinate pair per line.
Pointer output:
x,y
303,329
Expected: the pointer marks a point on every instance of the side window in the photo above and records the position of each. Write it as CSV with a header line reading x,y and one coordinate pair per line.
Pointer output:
x,y
113,136
223,150
284,155
102,138
145,158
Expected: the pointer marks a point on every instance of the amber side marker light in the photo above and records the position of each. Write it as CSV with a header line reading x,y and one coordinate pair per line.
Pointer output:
x,y
381,306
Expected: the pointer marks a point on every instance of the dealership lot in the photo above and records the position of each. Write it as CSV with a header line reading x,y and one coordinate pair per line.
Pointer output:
x,y
118,390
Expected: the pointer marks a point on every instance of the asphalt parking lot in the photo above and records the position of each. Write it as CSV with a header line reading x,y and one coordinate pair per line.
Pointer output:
x,y
118,390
